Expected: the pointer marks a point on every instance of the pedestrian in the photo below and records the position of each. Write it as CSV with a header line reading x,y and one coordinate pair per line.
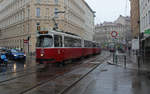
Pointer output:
x,y
4,59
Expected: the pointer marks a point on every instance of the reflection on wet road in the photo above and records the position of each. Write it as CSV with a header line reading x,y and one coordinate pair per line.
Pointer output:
x,y
15,66
109,79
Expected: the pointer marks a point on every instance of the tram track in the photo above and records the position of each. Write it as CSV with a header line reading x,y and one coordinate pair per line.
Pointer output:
x,y
10,72
62,92
23,73
2,81
81,78
24,92
18,74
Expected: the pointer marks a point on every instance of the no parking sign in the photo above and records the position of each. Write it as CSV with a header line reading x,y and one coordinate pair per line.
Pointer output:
x,y
114,34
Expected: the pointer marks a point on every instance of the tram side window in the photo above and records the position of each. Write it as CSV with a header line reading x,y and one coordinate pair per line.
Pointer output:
x,y
88,43
97,44
77,43
85,43
94,45
72,42
68,42
57,41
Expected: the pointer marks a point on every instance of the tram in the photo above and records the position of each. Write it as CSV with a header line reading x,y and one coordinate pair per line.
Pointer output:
x,y
54,46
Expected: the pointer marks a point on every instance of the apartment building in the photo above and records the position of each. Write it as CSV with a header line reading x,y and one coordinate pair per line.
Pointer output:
x,y
135,18
121,25
19,20
145,24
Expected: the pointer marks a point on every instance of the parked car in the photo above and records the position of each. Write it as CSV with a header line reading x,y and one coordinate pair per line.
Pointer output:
x,y
15,54
3,49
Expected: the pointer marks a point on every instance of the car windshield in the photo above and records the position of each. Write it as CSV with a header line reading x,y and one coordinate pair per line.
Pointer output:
x,y
15,51
45,41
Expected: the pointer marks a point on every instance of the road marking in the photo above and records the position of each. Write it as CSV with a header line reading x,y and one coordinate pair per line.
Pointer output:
x,y
95,62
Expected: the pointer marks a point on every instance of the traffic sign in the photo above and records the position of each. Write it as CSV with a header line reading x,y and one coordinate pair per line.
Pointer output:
x,y
114,34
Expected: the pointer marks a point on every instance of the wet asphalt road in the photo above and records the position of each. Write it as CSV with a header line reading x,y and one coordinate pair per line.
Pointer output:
x,y
29,77
89,76
16,66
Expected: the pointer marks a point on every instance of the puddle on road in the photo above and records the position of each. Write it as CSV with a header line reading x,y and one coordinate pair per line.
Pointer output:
x,y
15,65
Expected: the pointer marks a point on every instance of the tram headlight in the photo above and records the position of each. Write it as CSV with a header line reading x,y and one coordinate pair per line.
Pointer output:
x,y
42,54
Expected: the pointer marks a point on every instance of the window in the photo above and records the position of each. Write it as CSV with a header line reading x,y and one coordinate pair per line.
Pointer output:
x,y
44,41
94,44
72,42
38,12
149,16
68,42
38,26
88,43
47,12
56,1
38,1
146,19
57,41
77,42
55,12
28,12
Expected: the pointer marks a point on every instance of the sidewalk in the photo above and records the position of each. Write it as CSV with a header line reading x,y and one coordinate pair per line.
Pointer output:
x,y
133,63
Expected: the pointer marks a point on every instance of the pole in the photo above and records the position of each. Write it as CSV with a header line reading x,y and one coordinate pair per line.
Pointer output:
x,y
28,29
28,37
139,51
125,61
139,38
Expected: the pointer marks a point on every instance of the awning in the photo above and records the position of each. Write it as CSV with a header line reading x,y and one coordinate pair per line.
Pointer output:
x,y
147,31
146,34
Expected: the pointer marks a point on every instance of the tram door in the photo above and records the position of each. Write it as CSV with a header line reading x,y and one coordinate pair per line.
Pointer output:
x,y
58,44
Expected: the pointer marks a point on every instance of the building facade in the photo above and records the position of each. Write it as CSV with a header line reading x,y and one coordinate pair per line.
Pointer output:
x,y
145,24
121,25
135,18
19,20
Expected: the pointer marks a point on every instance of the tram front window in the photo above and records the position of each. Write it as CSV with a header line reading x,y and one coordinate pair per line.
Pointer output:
x,y
45,41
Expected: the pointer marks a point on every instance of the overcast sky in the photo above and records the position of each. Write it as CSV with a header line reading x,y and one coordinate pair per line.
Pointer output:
x,y
109,10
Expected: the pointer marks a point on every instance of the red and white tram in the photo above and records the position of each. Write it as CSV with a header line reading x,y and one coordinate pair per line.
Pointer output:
x,y
56,46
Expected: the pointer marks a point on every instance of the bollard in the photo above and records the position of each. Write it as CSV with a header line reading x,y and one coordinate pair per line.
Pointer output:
x,y
125,61
113,58
116,59
138,61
